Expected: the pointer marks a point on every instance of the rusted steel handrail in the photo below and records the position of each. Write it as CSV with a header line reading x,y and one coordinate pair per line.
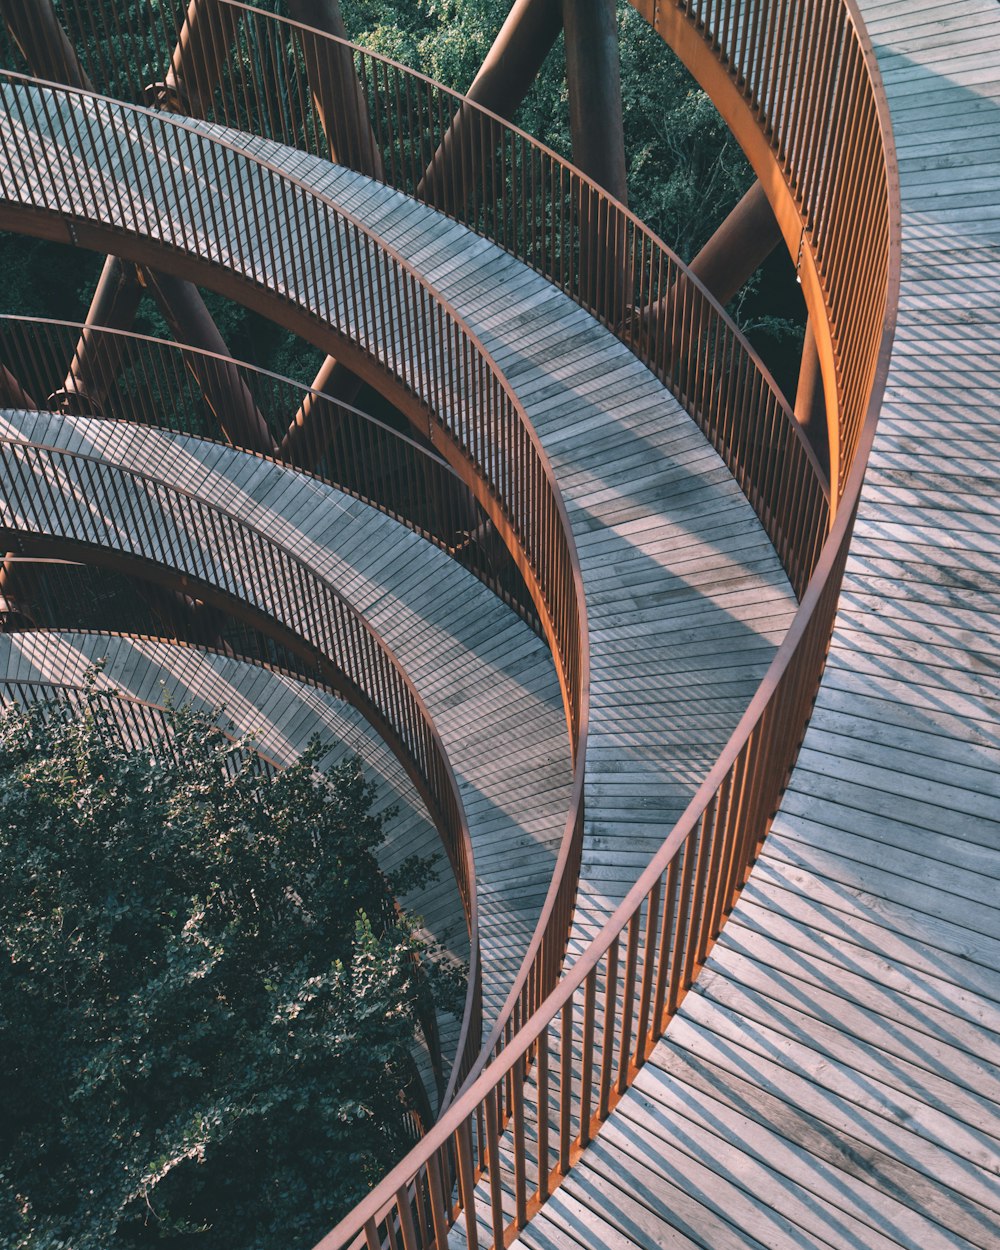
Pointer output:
x,y
160,383
318,256
480,169
638,968
58,503
367,294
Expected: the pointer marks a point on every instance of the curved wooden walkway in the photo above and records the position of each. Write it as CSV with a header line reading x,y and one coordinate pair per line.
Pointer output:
x,y
483,674
686,599
685,595
283,715
834,1078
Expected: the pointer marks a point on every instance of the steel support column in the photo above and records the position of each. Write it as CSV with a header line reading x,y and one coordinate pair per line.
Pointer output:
x,y
12,393
96,359
739,247
593,78
221,383
36,30
203,44
336,90
810,399
180,301
315,424
503,80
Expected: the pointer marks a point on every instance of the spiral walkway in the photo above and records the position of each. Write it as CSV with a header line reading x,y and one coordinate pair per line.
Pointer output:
x,y
675,566
481,671
830,1073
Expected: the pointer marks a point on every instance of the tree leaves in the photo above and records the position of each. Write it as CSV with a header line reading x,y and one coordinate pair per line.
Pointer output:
x,y
208,997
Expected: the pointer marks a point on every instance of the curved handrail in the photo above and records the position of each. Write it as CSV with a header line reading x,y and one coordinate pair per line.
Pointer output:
x,y
179,540
760,753
462,394
464,400
480,169
163,384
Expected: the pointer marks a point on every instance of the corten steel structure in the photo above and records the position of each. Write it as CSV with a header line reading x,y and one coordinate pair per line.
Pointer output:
x,y
222,122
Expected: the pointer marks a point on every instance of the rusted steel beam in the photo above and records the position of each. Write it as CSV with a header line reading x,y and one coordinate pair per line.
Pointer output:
x,y
36,30
12,393
342,107
203,44
315,424
503,80
593,77
730,257
224,390
97,357
739,247
810,399
337,92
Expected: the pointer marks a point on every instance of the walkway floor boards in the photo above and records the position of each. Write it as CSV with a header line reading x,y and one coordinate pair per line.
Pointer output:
x,y
487,679
833,1080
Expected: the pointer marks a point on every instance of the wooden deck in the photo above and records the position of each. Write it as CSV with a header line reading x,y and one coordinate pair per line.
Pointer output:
x,y
685,594
834,1078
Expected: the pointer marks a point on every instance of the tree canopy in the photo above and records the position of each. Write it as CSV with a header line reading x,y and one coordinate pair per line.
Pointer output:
x,y
207,993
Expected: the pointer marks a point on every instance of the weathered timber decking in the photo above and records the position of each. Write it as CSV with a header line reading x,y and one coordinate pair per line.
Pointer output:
x,y
484,675
834,1078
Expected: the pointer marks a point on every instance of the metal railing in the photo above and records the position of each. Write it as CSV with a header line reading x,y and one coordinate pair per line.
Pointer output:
x,y
303,254
135,721
154,382
267,75
57,503
828,134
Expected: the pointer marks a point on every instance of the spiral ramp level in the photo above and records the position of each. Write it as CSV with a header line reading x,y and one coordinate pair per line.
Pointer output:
x,y
780,1108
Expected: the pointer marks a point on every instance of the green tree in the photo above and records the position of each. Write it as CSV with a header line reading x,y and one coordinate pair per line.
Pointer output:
x,y
207,993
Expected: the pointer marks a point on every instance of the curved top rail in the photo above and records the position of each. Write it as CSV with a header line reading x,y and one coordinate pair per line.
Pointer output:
x,y
146,712
279,106
128,373
454,382
721,830
473,404
542,209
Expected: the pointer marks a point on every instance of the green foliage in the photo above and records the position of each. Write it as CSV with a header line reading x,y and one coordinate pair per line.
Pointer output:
x,y
208,996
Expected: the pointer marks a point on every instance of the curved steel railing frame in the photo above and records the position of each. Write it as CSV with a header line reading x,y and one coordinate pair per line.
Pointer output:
x,y
42,350
308,617
640,290
473,407
732,809
669,920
